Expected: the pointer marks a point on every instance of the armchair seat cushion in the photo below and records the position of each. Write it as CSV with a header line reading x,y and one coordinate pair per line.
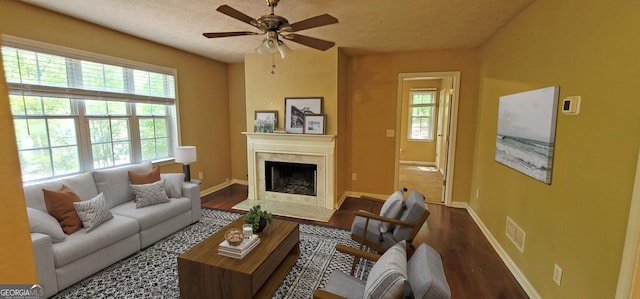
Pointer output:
x,y
345,285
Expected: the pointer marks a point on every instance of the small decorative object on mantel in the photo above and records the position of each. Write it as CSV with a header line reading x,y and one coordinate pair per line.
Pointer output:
x,y
258,218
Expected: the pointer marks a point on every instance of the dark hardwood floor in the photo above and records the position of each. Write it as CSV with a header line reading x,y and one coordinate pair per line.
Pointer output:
x,y
473,268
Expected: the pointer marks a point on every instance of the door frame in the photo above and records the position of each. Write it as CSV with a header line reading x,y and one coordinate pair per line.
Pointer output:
x,y
453,126
628,277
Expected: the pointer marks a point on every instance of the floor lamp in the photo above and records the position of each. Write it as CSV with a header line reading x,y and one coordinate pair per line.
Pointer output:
x,y
185,155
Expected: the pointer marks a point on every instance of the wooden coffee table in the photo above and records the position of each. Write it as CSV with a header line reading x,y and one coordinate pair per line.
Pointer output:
x,y
205,274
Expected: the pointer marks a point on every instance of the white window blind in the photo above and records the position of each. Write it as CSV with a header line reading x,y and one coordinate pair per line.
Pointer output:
x,y
75,111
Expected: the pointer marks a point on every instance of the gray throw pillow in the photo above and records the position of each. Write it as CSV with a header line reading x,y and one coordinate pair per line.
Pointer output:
x,y
93,212
387,276
41,222
173,183
150,194
392,208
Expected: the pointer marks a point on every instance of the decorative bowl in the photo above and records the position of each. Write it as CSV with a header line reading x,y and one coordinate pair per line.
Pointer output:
x,y
234,236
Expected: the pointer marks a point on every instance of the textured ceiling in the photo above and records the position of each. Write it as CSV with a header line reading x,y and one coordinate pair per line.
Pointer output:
x,y
365,26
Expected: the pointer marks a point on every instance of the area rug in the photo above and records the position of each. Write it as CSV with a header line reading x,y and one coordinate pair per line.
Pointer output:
x,y
153,272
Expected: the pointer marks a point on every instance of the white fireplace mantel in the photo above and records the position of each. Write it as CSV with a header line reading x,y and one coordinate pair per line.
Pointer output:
x,y
318,148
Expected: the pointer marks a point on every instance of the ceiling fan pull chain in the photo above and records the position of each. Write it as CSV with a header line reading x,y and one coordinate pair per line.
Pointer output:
x,y
273,64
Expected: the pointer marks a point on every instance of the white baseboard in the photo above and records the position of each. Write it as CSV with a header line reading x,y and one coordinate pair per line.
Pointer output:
x,y
459,205
422,163
215,188
511,265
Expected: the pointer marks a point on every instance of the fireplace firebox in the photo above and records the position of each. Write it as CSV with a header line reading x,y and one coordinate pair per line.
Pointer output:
x,y
292,178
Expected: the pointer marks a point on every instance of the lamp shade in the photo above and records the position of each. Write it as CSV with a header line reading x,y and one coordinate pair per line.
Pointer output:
x,y
185,154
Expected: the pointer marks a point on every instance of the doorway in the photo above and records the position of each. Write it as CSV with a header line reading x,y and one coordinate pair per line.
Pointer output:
x,y
425,163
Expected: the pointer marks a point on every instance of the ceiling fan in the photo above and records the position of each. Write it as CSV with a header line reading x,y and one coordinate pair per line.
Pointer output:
x,y
277,27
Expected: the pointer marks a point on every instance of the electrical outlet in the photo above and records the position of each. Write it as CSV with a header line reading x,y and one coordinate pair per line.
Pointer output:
x,y
557,274
201,175
354,176
391,132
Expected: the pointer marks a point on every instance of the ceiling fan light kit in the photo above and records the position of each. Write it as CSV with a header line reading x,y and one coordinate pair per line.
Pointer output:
x,y
273,45
277,28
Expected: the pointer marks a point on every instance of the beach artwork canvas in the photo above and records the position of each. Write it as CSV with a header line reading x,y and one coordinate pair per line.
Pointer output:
x,y
526,132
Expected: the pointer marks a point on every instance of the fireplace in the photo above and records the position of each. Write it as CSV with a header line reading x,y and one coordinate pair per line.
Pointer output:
x,y
293,169
293,178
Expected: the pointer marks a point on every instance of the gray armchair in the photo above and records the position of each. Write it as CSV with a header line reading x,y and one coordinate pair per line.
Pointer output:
x,y
423,276
370,229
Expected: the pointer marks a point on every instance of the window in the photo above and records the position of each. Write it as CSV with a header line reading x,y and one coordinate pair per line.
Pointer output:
x,y
75,111
421,114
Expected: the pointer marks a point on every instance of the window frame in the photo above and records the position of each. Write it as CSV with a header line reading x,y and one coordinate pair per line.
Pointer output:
x,y
410,116
78,95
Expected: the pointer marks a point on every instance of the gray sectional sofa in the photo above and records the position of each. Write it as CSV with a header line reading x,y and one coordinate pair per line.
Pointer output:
x,y
62,260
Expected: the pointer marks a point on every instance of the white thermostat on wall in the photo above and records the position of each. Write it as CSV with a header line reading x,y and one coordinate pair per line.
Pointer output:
x,y
571,105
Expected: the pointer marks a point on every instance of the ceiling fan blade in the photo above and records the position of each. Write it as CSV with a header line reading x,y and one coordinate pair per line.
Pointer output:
x,y
312,42
227,34
316,21
236,14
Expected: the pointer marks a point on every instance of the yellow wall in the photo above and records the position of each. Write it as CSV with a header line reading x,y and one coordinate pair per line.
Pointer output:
x,y
16,254
590,49
372,94
304,73
238,122
202,91
417,150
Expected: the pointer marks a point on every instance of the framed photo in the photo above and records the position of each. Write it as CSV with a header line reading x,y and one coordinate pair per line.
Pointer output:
x,y
265,121
314,124
296,108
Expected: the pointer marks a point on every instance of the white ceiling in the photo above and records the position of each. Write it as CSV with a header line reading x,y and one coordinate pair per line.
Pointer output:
x,y
365,26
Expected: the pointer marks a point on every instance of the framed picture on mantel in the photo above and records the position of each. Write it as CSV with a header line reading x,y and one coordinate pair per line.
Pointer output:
x,y
295,110
314,124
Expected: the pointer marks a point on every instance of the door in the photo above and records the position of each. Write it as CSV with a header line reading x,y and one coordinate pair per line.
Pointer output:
x,y
446,124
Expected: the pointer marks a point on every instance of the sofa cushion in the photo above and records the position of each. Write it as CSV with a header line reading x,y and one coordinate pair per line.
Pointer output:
x,y
392,208
82,184
150,194
81,243
415,209
60,206
41,222
173,183
93,212
387,276
152,215
141,178
114,182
